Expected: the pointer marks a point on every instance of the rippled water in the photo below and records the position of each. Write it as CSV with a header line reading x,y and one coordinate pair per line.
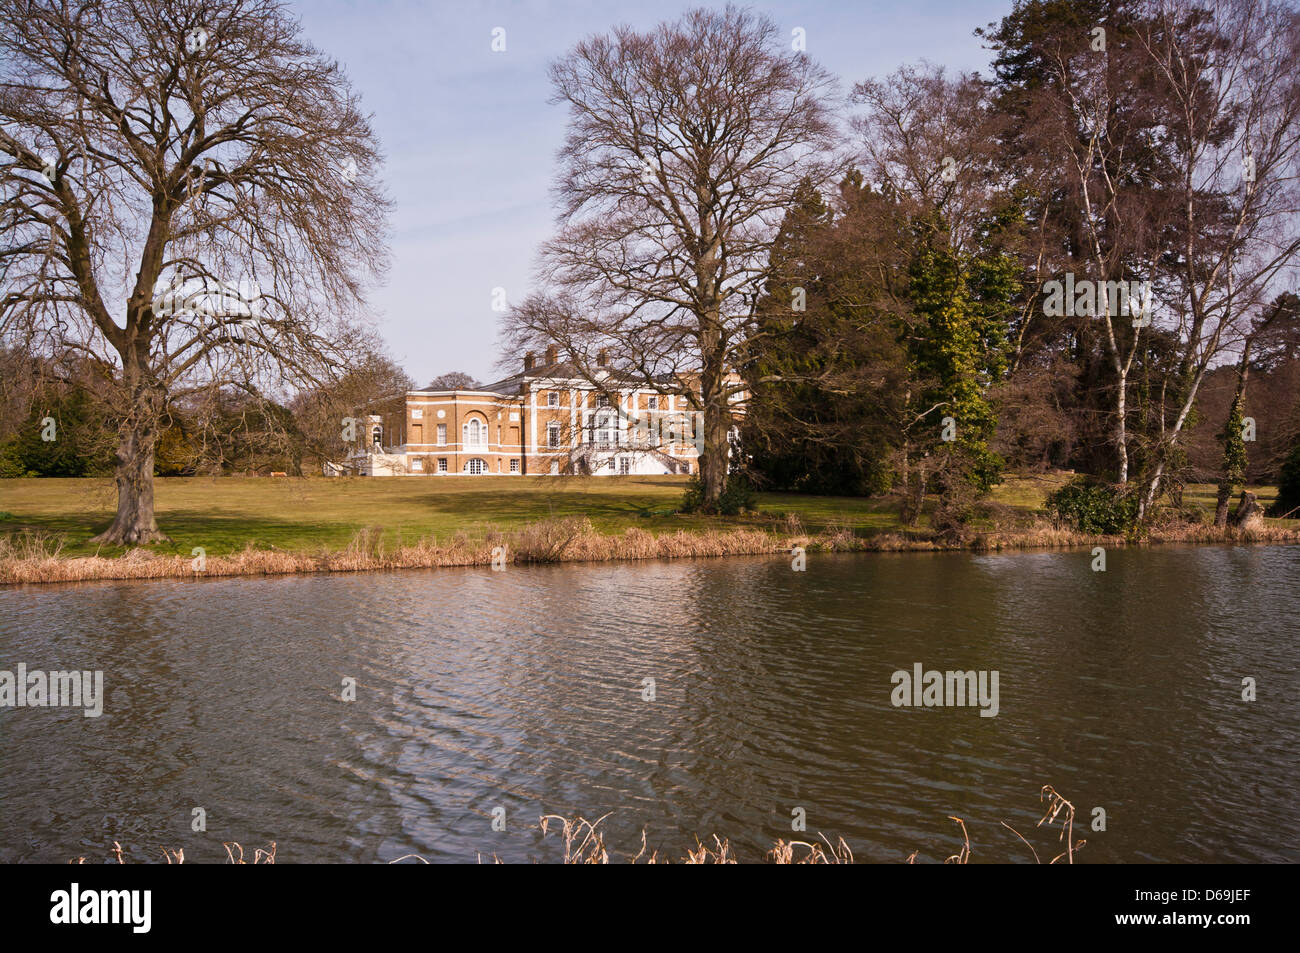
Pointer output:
x,y
523,690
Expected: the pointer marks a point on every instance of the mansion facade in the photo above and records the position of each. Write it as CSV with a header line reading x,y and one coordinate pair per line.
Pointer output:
x,y
546,420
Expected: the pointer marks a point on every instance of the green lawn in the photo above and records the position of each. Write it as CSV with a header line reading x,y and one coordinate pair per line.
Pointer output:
x,y
226,514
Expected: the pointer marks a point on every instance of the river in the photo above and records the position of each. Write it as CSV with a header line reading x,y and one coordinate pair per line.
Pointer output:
x,y
487,699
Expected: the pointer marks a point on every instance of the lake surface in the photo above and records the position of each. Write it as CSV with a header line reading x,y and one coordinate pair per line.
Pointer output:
x,y
523,690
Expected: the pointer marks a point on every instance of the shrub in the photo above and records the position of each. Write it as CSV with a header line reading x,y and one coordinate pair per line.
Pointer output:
x,y
1095,508
737,496
1288,485
11,461
954,512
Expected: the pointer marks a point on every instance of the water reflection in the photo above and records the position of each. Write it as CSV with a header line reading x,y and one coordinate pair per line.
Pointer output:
x,y
523,690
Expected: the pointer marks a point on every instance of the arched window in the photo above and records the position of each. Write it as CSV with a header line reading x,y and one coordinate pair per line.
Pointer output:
x,y
377,436
476,433
476,466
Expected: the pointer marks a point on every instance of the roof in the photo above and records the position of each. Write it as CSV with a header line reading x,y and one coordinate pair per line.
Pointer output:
x,y
561,370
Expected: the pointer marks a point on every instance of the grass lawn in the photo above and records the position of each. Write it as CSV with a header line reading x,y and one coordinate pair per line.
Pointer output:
x,y
226,514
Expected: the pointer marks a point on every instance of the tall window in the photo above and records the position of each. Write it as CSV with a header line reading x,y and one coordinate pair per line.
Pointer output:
x,y
442,435
476,433
552,434
606,428
377,436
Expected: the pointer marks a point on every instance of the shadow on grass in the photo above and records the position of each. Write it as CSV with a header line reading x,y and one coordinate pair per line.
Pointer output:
x,y
217,535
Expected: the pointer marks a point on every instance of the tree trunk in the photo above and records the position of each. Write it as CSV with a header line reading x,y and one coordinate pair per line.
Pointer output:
x,y
134,523
1249,514
1221,505
1231,477
914,496
714,452
1121,426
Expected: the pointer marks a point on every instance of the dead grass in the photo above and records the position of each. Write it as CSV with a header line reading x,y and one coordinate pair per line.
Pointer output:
x,y
234,854
36,557
584,843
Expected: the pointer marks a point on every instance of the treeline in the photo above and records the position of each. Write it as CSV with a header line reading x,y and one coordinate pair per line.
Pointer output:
x,y
1085,261
58,419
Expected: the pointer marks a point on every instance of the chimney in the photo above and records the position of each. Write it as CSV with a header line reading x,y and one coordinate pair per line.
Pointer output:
x,y
602,357
552,354
530,359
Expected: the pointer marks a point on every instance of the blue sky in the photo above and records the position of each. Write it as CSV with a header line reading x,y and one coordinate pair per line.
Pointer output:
x,y
470,135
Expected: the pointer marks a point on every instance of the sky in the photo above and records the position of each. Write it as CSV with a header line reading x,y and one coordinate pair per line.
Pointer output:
x,y
471,136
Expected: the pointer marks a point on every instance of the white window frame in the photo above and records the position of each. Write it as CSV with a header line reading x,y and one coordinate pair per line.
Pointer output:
x,y
605,428
442,435
477,438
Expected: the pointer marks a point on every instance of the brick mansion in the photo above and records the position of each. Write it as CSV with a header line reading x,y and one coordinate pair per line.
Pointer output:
x,y
546,420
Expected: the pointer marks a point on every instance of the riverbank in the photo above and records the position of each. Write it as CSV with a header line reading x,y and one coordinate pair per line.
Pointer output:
x,y
233,526
34,559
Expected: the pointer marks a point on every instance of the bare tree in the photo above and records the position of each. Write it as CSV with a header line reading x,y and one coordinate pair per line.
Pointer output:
x,y
930,142
453,380
1094,120
1230,77
685,147
373,384
193,204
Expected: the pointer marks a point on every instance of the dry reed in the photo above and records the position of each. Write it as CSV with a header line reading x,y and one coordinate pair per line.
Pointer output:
x,y
261,855
31,557
584,843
